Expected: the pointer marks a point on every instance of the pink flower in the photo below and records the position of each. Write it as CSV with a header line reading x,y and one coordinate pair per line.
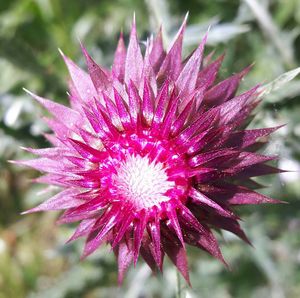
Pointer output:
x,y
152,154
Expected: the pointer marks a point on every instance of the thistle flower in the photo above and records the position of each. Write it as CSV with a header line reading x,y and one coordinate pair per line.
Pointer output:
x,y
153,153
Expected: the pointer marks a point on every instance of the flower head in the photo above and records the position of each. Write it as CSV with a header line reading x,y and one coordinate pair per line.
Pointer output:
x,y
153,153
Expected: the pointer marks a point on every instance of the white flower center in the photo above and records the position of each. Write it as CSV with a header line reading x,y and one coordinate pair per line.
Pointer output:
x,y
142,182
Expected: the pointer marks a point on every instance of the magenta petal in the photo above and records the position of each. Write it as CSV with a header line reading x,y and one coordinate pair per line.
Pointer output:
x,y
138,232
245,138
245,196
207,76
209,158
176,253
172,216
244,160
168,120
147,255
83,229
126,222
100,123
187,216
178,124
162,100
224,90
171,65
148,71
90,138
106,222
201,124
230,225
61,130
230,109
52,139
205,240
258,170
205,201
125,256
155,235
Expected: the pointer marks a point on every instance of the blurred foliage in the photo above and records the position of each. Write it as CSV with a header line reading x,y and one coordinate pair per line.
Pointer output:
x,y
34,261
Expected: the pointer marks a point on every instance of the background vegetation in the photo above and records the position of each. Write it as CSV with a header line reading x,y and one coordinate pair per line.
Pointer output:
x,y
34,261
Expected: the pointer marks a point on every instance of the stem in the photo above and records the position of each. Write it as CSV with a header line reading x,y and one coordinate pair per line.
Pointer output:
x,y
180,291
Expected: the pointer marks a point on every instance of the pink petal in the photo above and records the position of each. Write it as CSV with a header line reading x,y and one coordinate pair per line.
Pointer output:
x,y
97,74
162,100
118,68
42,164
157,53
63,200
62,113
48,152
134,59
123,111
186,82
113,112
210,157
147,104
87,152
134,103
81,80
171,66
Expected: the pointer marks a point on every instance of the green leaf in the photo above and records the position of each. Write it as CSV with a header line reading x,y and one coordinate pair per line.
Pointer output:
x,y
279,82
